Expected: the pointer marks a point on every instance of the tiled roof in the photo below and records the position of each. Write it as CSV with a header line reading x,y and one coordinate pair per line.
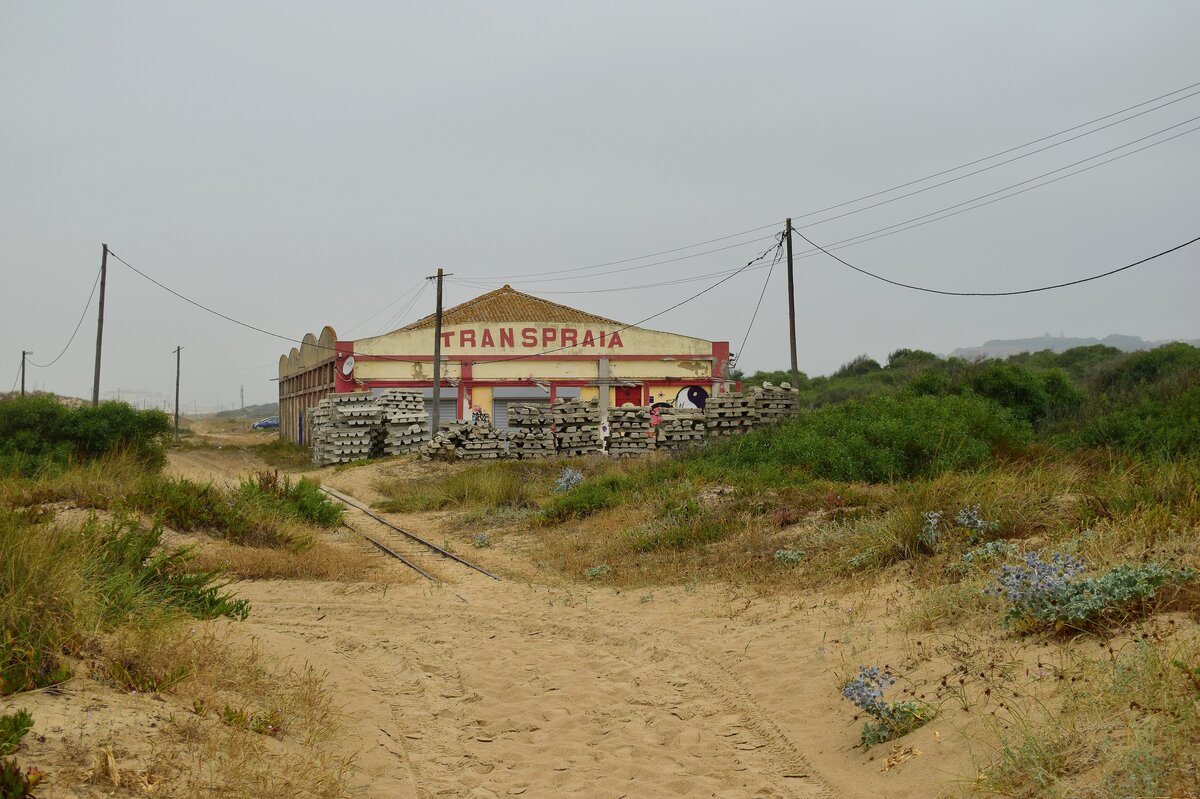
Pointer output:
x,y
506,304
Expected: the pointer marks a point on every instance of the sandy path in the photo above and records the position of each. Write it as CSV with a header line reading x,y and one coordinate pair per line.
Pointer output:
x,y
497,689
479,688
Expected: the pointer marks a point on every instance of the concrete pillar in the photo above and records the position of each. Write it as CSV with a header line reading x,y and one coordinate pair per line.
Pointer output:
x,y
602,381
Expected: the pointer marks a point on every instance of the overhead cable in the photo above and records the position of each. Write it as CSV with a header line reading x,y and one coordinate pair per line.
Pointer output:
x,y
74,332
933,216
773,248
897,187
997,293
405,295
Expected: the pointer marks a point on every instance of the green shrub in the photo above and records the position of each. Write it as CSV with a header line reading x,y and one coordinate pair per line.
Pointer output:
x,y
302,500
15,783
877,440
1048,593
60,587
1167,427
257,513
14,727
584,500
40,436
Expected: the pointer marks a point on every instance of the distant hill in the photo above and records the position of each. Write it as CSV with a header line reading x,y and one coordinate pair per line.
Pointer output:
x,y
251,411
1003,348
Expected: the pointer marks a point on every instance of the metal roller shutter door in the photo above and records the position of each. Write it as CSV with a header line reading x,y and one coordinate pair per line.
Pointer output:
x,y
500,409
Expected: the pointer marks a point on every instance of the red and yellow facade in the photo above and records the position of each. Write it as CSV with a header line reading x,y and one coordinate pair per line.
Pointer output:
x,y
507,346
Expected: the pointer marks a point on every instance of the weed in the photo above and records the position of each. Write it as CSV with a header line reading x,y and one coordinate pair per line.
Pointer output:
x,y
1044,593
14,727
789,557
481,540
597,572
567,479
15,783
892,719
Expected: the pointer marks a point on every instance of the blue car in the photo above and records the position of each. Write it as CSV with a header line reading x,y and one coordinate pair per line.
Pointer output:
x,y
270,423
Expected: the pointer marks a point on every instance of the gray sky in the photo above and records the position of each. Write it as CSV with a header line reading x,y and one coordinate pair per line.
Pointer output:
x,y
299,164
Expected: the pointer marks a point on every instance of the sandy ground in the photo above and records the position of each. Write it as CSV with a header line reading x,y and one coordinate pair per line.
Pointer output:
x,y
480,688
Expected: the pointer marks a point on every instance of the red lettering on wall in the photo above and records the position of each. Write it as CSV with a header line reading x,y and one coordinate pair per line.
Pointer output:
x,y
601,339
466,338
506,337
615,340
529,337
569,337
588,341
487,339
446,335
549,335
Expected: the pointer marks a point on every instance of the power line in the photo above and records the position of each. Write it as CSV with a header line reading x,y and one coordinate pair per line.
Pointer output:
x,y
986,168
653,254
203,307
754,316
231,368
417,287
74,332
403,312
900,227
773,248
997,293
907,224
903,196
897,187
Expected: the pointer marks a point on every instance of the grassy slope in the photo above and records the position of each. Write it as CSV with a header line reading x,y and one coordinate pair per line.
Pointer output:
x,y
839,500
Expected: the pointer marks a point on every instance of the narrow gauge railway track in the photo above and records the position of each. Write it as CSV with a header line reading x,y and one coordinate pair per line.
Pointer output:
x,y
424,545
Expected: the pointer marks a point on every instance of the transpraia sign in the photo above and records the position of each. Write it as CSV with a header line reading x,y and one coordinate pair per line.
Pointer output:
x,y
530,338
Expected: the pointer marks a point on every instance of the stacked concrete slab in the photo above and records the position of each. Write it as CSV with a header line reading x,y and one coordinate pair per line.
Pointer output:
x,y
466,441
316,423
404,424
629,432
344,429
774,403
729,414
531,435
679,428
576,427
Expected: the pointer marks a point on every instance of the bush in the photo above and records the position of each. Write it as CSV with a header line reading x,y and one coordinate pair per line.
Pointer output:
x,y
880,439
262,511
1168,427
892,719
1043,593
103,576
14,727
584,500
38,435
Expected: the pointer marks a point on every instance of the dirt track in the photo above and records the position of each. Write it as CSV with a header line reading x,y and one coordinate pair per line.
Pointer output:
x,y
481,688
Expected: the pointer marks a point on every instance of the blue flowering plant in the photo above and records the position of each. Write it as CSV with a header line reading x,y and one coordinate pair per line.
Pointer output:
x,y
1051,592
970,518
567,479
890,719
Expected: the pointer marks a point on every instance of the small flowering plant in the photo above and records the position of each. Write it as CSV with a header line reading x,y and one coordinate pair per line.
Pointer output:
x,y
970,518
931,529
567,479
1043,593
891,719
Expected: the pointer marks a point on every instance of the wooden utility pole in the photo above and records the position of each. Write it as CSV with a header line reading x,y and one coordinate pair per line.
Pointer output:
x,y
792,307
24,356
436,415
177,351
100,326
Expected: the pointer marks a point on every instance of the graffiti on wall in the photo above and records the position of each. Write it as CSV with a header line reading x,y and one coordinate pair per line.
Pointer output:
x,y
691,397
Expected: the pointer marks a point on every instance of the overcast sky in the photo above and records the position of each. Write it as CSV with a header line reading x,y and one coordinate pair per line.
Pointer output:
x,y
299,164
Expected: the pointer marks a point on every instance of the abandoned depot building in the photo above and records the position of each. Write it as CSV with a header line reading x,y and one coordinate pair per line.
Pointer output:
x,y
505,348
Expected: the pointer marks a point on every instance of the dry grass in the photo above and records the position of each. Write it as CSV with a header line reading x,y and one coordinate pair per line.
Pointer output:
x,y
322,561
221,744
